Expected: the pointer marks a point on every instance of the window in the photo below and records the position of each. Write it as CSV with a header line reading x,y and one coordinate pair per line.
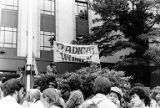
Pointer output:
x,y
8,37
82,27
9,18
45,37
47,26
47,7
10,4
82,10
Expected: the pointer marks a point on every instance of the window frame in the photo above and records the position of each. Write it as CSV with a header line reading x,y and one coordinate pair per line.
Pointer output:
x,y
4,43
10,6
83,5
44,47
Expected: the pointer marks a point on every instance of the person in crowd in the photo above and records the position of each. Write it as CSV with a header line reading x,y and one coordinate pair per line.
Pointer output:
x,y
21,72
102,87
155,97
51,69
61,101
33,99
87,85
44,82
76,95
1,92
65,91
51,98
13,91
26,101
140,97
53,84
116,95
3,79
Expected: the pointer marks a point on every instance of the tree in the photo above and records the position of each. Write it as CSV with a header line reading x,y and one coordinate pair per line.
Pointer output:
x,y
133,19
117,78
88,74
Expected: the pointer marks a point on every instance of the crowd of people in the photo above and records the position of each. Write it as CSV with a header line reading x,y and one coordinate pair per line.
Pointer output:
x,y
72,93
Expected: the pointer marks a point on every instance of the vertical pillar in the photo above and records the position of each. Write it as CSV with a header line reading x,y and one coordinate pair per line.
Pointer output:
x,y
29,44
23,11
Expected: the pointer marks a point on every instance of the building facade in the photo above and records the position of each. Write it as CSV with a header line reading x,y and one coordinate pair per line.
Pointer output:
x,y
59,20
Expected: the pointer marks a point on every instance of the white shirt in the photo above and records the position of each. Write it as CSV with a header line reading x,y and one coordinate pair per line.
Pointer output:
x,y
38,104
102,100
9,102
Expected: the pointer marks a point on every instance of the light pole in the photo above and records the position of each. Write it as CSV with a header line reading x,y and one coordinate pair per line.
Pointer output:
x,y
29,45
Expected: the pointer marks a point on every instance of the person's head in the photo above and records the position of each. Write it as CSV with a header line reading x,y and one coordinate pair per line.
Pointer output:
x,y
3,79
53,84
34,95
88,86
1,92
115,94
102,85
139,96
50,96
52,64
74,82
15,88
65,91
155,93
138,84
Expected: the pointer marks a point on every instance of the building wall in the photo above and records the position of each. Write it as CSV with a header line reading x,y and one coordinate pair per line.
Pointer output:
x,y
65,20
61,24
23,28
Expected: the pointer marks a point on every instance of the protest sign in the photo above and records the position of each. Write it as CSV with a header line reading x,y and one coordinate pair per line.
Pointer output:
x,y
75,53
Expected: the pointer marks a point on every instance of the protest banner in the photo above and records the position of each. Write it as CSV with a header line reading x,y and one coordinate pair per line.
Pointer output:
x,y
75,53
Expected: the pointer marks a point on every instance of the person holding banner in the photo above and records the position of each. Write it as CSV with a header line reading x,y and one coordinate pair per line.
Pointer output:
x,y
51,69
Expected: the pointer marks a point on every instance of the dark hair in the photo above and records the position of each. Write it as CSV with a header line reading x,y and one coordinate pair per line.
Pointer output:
x,y
43,81
65,91
12,85
138,84
52,63
142,92
102,85
119,96
3,79
88,87
74,82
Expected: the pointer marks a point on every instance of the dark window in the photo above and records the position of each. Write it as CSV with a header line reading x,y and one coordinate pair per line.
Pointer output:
x,y
47,23
45,37
9,18
47,29
82,10
82,27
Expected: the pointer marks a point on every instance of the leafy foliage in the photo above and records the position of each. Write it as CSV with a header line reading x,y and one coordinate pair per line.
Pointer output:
x,y
125,24
88,74
117,78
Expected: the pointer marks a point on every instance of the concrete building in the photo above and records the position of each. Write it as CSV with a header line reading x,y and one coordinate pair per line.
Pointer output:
x,y
60,20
